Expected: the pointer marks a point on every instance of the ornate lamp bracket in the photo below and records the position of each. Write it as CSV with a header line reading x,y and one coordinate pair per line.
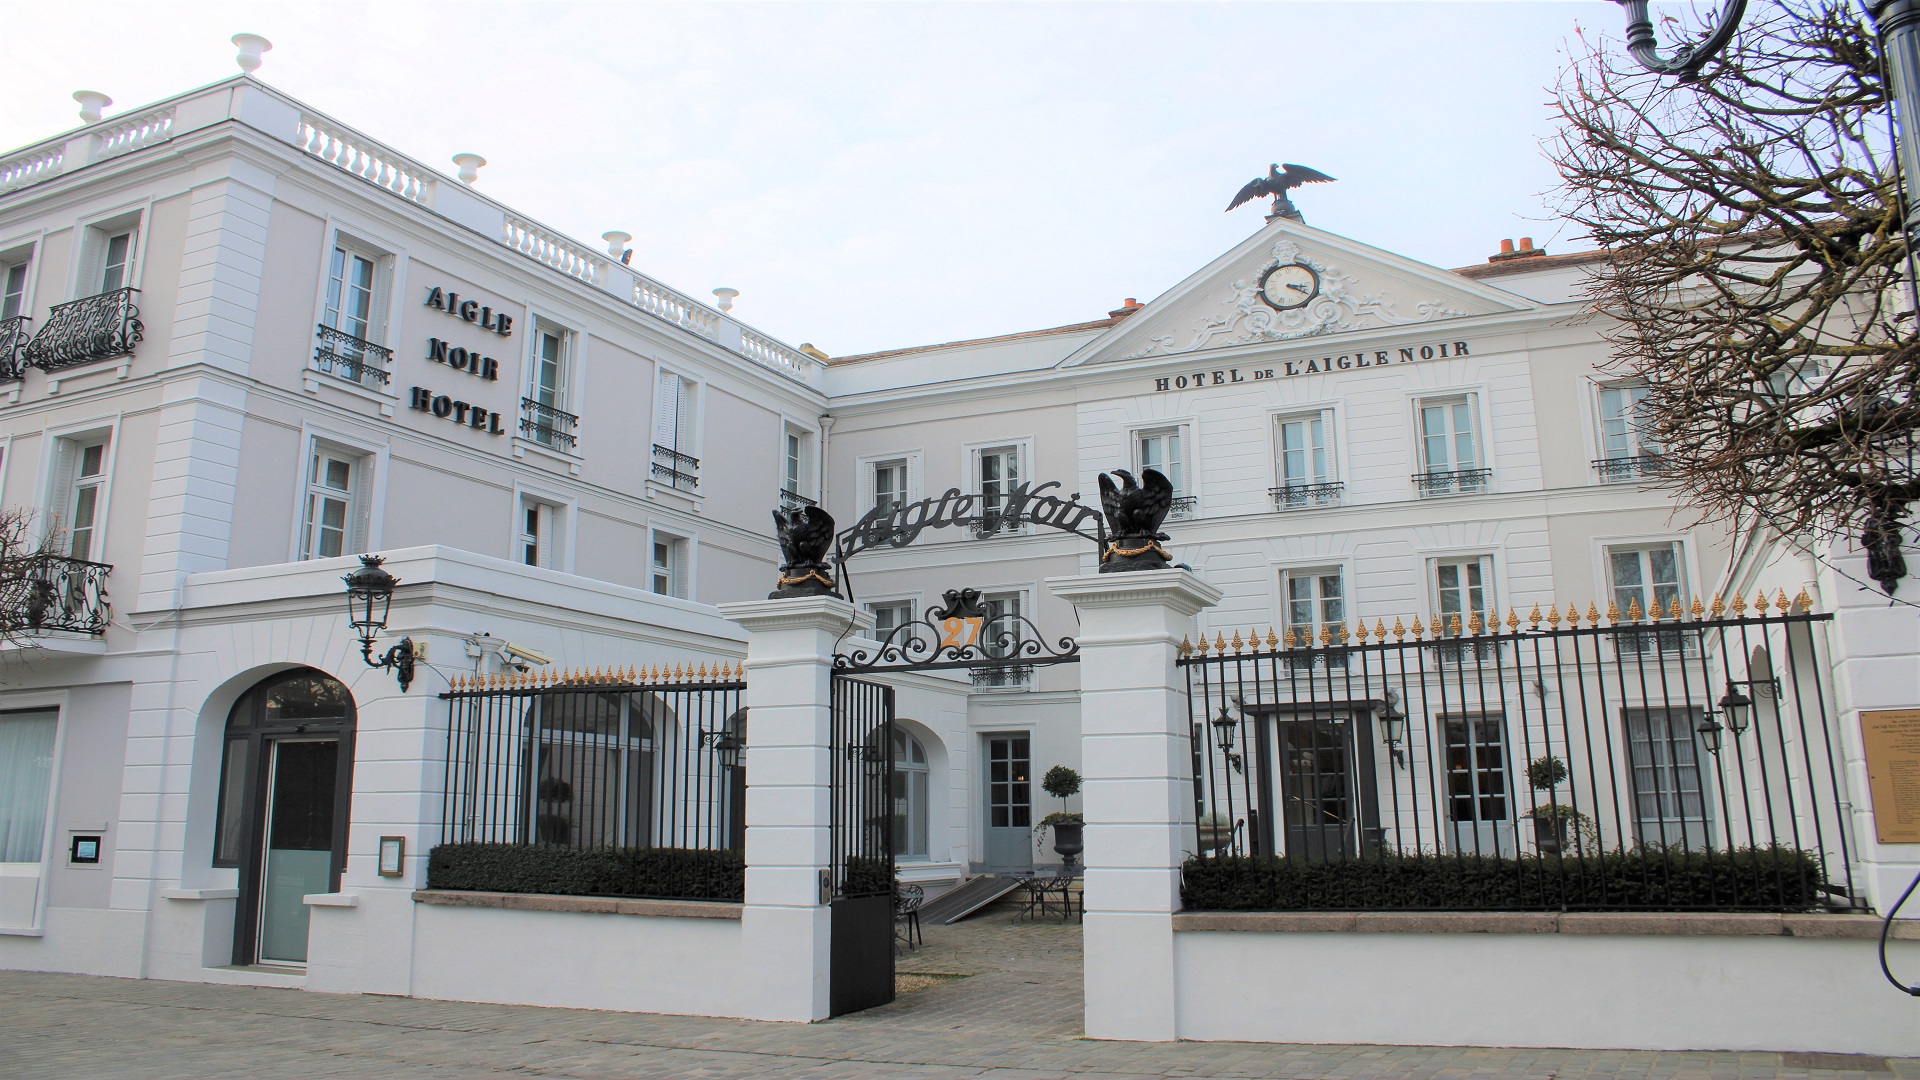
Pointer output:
x,y
1687,62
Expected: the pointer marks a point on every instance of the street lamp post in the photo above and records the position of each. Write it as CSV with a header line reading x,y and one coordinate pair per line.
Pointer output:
x,y
369,595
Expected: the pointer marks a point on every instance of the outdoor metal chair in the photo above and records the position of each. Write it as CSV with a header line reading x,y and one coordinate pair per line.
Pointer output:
x,y
1043,895
907,899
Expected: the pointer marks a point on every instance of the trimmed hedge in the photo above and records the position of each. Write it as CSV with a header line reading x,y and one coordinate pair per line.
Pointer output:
x,y
650,873
1746,879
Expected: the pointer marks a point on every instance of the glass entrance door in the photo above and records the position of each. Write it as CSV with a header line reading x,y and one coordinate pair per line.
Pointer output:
x,y
1009,802
298,854
1317,788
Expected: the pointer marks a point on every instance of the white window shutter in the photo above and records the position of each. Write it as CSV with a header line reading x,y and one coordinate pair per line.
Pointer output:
x,y
544,521
910,490
666,410
362,481
60,496
682,555
683,418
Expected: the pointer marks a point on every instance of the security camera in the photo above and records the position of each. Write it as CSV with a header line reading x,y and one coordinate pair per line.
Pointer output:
x,y
521,652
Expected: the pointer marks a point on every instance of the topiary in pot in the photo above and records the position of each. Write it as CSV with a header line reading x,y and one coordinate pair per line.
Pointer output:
x,y
1062,783
1555,827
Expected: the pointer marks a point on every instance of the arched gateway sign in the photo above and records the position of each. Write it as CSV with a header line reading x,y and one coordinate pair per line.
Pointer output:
x,y
1024,505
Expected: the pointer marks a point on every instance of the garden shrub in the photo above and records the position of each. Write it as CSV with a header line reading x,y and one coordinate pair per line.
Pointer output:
x,y
652,873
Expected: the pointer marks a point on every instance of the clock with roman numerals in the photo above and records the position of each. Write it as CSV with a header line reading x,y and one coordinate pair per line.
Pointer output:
x,y
1289,286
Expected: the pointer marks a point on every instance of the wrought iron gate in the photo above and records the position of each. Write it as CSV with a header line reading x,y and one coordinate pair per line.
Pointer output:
x,y
968,631
862,838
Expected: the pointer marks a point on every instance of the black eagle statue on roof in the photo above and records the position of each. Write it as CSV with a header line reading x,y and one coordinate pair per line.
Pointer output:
x,y
1278,180
805,535
1134,512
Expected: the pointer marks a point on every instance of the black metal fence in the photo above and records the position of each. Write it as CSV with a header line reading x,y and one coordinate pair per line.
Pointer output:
x,y
598,760
863,809
1672,761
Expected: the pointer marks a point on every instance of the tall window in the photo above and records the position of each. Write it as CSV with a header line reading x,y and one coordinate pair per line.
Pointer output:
x,y
334,489
910,773
1000,638
999,472
889,484
794,453
538,540
26,778
116,269
1450,454
350,293
1669,780
1476,771
1462,586
1647,574
1314,600
667,574
79,495
1303,462
545,418
674,463
1625,451
13,288
1160,451
890,615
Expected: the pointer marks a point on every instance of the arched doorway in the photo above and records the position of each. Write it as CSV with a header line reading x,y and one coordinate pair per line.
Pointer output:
x,y
286,777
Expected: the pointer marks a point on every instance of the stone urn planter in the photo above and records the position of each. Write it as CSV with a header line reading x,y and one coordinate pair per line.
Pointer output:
x,y
1214,833
1067,841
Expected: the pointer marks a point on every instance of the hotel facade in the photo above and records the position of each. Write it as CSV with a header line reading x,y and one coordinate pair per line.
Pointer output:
x,y
245,344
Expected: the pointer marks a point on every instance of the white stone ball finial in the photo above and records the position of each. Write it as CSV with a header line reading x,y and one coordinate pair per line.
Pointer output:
x,y
91,102
251,46
616,241
726,296
469,167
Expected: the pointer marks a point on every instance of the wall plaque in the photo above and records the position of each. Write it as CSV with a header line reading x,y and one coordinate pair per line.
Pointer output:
x,y
1892,739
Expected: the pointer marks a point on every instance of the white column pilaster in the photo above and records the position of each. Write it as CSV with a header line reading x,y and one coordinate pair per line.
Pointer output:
x,y
1137,791
785,931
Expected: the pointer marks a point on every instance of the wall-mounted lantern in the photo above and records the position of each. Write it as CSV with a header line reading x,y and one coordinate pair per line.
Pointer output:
x,y
369,595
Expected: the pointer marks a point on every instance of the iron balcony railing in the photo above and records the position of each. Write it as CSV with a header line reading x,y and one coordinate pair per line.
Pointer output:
x,y
1526,764
1002,676
14,335
1183,506
548,426
82,331
1453,481
675,469
51,592
1617,470
1301,496
344,356
793,500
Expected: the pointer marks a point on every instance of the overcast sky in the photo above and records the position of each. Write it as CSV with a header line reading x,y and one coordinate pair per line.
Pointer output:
x,y
877,175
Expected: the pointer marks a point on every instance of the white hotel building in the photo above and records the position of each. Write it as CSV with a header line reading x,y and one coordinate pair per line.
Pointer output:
x,y
244,343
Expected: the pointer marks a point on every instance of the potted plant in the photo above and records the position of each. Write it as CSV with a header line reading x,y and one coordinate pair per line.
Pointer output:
x,y
1552,822
1062,783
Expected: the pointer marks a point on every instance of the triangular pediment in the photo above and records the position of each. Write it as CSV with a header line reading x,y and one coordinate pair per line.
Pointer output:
x,y
1352,288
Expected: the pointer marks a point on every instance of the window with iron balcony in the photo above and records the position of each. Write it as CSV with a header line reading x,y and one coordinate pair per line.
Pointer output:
x,y
352,317
674,464
544,418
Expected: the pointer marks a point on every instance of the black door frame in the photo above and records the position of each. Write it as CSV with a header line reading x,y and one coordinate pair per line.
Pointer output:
x,y
258,735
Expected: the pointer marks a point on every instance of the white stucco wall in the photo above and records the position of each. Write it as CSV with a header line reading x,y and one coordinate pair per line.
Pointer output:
x,y
1604,991
631,963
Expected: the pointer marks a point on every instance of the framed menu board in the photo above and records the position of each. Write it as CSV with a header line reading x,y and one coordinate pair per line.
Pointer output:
x,y
1892,738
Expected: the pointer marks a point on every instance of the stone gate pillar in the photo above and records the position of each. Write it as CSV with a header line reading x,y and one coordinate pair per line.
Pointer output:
x,y
1138,789
785,932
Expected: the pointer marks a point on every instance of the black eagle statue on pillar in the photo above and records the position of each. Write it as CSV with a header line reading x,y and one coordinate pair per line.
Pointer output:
x,y
805,535
1279,179
1134,513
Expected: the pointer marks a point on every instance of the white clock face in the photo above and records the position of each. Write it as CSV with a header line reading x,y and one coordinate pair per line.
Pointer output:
x,y
1289,286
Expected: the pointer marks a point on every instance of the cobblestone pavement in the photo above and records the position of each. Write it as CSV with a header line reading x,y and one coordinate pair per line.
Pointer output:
x,y
1014,1016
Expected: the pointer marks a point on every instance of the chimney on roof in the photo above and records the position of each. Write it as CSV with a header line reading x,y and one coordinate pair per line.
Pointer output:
x,y
1524,251
251,46
91,103
1125,309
